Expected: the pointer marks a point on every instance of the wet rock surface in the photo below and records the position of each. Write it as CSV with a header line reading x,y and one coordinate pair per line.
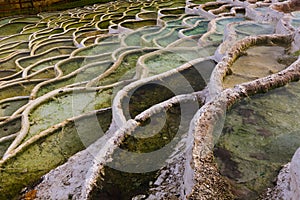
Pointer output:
x,y
267,140
150,100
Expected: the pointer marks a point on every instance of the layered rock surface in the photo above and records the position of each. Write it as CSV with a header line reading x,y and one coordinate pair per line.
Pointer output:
x,y
137,100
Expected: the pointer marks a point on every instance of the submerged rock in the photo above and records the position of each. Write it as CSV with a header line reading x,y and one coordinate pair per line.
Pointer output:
x,y
169,71
288,181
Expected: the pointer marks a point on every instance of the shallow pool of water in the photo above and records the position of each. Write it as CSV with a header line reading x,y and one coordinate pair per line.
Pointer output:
x,y
258,62
260,134
200,28
296,23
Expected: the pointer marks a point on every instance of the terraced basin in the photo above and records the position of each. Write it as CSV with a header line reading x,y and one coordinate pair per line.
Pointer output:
x,y
262,60
87,92
258,137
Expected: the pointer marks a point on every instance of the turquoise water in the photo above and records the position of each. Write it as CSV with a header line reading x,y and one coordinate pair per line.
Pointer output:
x,y
193,20
169,38
200,28
133,39
223,22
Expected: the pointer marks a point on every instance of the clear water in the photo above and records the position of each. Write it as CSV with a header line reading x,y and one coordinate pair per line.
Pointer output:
x,y
158,34
296,14
12,28
255,28
223,22
97,49
169,38
91,72
193,20
78,24
45,64
259,136
133,39
45,47
260,61
167,60
7,108
201,28
296,23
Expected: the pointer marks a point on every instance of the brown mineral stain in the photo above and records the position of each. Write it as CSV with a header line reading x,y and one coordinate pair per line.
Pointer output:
x,y
31,195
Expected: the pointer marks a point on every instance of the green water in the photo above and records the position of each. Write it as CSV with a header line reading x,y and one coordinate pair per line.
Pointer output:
x,y
259,61
97,49
200,28
7,108
176,11
169,38
187,42
49,153
103,24
66,106
133,39
150,8
76,25
26,61
10,63
149,15
49,32
167,60
193,20
149,38
133,11
47,73
90,72
6,73
109,38
10,127
214,38
58,34
84,33
20,45
138,24
14,38
166,126
12,28
149,94
27,19
45,63
223,22
69,65
19,89
6,54
177,22
5,20
126,69
44,47
255,28
260,134
117,21
169,17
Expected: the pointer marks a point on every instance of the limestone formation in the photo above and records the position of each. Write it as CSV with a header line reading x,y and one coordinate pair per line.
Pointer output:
x,y
159,99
